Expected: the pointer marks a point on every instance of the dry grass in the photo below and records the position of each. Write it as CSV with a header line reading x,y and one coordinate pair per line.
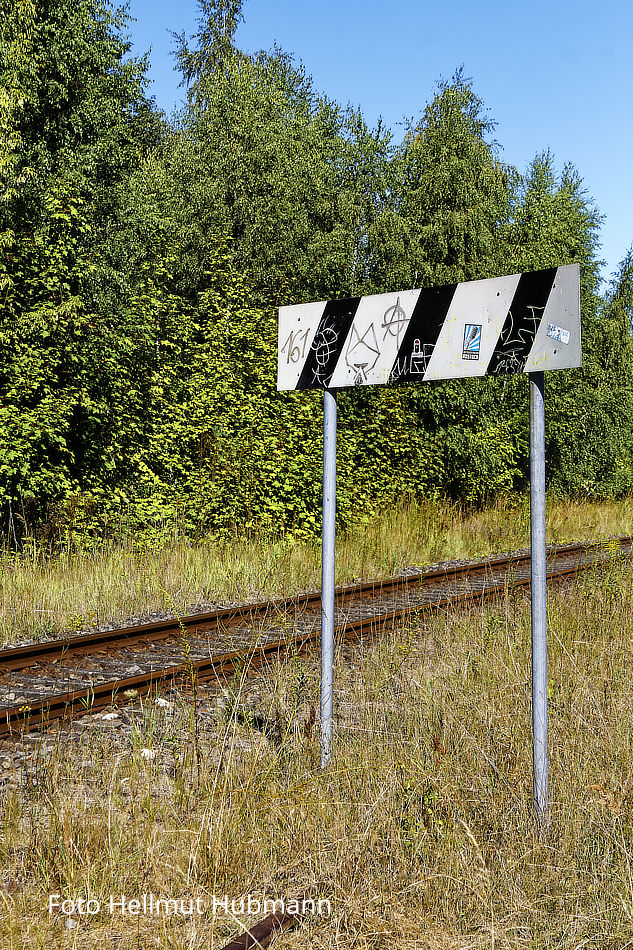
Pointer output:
x,y
421,833
42,596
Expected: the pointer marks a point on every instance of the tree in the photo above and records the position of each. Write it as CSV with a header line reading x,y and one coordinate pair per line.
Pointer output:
x,y
446,220
141,265
287,173
451,192
589,410
76,106
218,22
590,431
554,221
620,294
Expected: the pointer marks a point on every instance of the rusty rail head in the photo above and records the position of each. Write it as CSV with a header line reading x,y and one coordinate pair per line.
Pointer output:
x,y
38,713
15,658
261,934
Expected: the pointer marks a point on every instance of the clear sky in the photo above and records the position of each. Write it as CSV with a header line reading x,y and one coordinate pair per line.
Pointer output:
x,y
553,74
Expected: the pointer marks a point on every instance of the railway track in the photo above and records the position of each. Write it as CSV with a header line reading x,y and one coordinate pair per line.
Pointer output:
x,y
68,677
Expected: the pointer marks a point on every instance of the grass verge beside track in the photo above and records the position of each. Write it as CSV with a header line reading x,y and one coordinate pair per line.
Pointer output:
x,y
421,834
42,596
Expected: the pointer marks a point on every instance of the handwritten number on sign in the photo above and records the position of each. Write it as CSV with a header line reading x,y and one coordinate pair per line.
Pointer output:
x,y
295,346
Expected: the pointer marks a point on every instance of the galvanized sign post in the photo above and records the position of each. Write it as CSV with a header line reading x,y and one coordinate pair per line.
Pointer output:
x,y
327,575
538,552
523,323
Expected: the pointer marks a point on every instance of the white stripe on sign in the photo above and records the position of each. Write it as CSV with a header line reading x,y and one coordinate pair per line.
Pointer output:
x,y
561,312
476,303
519,323
372,343
296,336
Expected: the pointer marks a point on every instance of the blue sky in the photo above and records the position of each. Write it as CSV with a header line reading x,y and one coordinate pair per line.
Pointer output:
x,y
552,74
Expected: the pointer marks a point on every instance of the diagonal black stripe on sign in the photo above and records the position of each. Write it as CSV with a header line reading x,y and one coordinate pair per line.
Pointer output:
x,y
522,321
328,343
421,334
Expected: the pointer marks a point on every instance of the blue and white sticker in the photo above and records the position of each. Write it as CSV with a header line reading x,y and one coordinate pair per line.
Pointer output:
x,y
472,341
558,333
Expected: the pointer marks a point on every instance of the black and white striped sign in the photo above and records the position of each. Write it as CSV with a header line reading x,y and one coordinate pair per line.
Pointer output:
x,y
516,324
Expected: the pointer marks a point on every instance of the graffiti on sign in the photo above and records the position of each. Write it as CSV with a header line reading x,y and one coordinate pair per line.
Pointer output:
x,y
513,324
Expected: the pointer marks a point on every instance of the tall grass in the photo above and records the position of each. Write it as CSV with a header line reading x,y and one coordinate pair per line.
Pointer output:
x,y
421,833
43,596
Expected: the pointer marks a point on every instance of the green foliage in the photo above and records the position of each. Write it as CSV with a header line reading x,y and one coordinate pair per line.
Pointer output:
x,y
141,266
589,410
590,437
620,296
451,201
76,122
287,173
218,22
452,194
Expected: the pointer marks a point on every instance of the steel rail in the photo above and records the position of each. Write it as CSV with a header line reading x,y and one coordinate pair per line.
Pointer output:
x,y
264,931
28,716
21,657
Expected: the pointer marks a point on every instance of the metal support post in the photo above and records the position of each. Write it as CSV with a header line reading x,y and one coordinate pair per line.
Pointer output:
x,y
327,575
539,579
